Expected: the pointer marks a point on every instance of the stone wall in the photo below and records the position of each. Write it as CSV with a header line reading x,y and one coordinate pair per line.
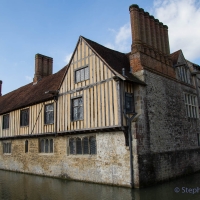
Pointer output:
x,y
173,148
110,165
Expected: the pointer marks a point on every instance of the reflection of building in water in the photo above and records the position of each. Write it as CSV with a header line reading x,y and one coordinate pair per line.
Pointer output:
x,y
75,123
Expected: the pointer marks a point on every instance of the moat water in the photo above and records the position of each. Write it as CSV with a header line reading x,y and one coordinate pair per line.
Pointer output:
x,y
17,186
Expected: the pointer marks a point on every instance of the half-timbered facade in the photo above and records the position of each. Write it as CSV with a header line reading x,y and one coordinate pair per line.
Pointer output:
x,y
107,117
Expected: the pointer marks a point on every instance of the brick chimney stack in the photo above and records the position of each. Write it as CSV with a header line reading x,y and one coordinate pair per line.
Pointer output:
x,y
0,87
149,38
43,67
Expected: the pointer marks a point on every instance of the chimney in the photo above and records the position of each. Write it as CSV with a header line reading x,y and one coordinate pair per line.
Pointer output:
x,y
150,43
43,67
0,87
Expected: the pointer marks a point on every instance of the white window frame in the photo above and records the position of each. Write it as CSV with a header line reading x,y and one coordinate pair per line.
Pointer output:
x,y
191,105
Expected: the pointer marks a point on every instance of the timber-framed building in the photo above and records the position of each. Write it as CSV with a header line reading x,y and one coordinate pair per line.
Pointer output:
x,y
107,117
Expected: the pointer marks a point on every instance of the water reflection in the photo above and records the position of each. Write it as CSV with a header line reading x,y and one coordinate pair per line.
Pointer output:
x,y
16,186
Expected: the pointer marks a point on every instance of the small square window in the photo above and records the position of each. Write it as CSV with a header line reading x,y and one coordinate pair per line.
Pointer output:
x,y
77,109
82,74
6,121
49,114
24,117
129,103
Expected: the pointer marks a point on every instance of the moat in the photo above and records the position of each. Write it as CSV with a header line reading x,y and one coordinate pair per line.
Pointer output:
x,y
17,186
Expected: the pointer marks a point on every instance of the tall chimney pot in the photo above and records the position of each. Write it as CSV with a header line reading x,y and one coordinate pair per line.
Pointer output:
x,y
43,67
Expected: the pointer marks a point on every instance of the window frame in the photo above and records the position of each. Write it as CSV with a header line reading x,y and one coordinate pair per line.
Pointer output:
x,y
191,105
42,150
72,108
21,115
5,125
132,110
184,74
79,69
72,145
7,147
45,114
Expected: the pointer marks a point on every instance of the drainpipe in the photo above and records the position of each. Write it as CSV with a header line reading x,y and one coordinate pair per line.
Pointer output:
x,y
129,121
130,139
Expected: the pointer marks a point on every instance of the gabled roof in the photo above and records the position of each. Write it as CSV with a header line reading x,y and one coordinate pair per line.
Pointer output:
x,y
174,56
31,94
116,60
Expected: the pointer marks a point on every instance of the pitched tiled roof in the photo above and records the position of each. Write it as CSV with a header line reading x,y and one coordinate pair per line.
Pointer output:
x,y
174,56
31,94
114,59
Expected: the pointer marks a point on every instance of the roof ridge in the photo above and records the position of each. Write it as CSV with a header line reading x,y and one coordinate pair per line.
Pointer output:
x,y
103,45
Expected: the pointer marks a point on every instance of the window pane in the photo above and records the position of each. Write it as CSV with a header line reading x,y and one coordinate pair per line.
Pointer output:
x,y
42,146
49,114
78,146
78,76
75,102
9,145
51,145
82,74
71,149
46,146
129,103
85,146
77,110
92,145
86,73
5,121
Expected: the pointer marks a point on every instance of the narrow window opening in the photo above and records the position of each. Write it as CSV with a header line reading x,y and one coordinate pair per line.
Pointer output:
x,y
26,146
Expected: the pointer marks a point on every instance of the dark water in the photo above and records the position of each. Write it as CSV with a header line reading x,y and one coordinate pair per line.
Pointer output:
x,y
16,186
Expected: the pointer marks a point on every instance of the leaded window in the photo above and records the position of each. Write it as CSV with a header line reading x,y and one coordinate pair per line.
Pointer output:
x,y
6,121
24,117
82,74
86,145
129,103
46,145
191,105
72,145
78,146
6,147
92,145
77,109
184,74
49,114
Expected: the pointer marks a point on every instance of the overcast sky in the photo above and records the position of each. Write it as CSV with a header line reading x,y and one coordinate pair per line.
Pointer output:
x,y
52,28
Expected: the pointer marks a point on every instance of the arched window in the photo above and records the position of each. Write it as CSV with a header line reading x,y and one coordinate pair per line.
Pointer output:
x,y
46,145
93,149
78,146
85,145
26,146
